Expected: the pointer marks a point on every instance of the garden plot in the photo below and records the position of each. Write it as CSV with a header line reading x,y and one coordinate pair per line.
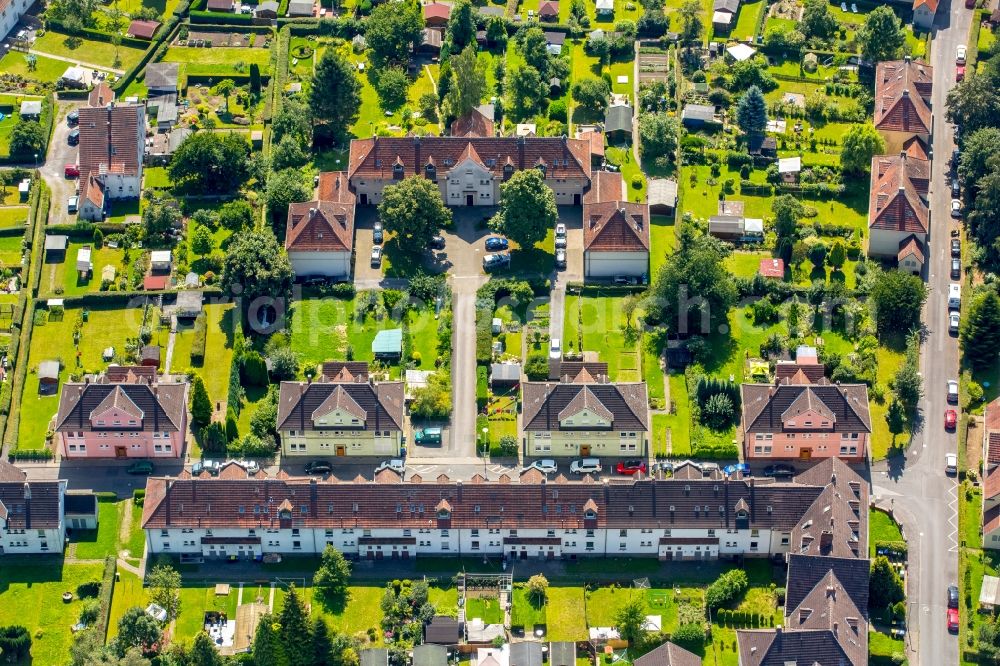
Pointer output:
x,y
88,52
218,63
653,67
41,69
232,39
596,321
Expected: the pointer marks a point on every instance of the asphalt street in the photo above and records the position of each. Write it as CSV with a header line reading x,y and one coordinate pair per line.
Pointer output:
x,y
922,496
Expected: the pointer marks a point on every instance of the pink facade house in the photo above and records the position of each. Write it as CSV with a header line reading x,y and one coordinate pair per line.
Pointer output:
x,y
802,418
125,413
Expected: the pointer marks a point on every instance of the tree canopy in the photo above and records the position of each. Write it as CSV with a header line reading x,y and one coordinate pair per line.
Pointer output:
x,y
136,629
412,208
658,134
526,90
210,163
592,94
391,31
860,144
974,103
27,139
980,332
817,21
527,208
751,112
333,574
898,298
256,265
335,96
469,82
462,25
284,187
691,21
881,37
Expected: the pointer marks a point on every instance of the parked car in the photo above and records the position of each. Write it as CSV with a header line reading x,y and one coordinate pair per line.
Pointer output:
x,y
251,466
378,236
956,268
71,171
956,156
377,256
73,117
951,463
491,261
560,242
950,419
953,596
956,247
496,244
318,467
395,464
560,258
953,620
956,208
545,466
952,391
73,137
960,54
959,73
140,467
555,350
585,466
954,321
72,203
560,230
631,467
742,468
210,466
779,470
427,437
437,243
956,188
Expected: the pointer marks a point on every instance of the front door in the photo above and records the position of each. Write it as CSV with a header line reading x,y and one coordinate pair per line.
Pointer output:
x,y
524,554
470,200
576,199
805,453
585,450
364,199
341,450
120,452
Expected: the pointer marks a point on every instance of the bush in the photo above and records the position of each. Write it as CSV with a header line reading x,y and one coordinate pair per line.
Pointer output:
x,y
139,496
508,446
90,612
689,636
254,369
15,643
200,337
89,589
726,588
537,368
482,386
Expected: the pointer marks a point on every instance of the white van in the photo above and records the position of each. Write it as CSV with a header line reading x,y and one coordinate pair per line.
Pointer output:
x,y
954,295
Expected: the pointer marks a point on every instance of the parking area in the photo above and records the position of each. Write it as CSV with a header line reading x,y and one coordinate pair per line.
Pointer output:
x,y
571,216
60,154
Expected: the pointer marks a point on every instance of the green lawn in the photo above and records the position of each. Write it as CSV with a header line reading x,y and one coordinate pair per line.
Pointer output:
x,y
486,608
13,216
106,327
47,70
30,596
197,599
232,56
156,177
11,250
164,7
565,617
889,362
600,321
603,605
678,422
363,610
662,241
62,279
88,51
136,542
746,20
128,594
99,543
527,610
881,528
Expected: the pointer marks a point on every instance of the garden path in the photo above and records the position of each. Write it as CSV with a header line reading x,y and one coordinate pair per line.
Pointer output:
x,y
74,61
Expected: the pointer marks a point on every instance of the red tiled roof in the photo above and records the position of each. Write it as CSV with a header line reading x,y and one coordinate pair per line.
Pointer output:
x,y
101,95
931,4
320,226
991,484
910,245
548,8
772,268
902,95
915,147
375,157
437,10
899,186
992,416
991,519
605,186
155,282
220,5
473,124
993,448
143,29
109,137
616,226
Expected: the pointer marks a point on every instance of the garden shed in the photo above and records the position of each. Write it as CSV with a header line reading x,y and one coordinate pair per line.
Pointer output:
x,y
741,52
989,596
84,264
374,657
442,630
300,8
80,509
505,374
150,356
662,196
48,377
562,653
388,344
810,62
55,247
618,123
526,653
430,655
31,109
159,260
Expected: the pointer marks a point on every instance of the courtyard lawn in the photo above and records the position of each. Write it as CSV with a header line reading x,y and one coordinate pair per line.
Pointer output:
x,y
565,615
889,362
218,350
52,340
604,603
662,241
156,177
881,528
538,261
635,179
47,70
486,608
602,325
136,542
88,51
62,278
195,600
527,610
13,216
746,20
362,611
99,543
31,597
677,422
11,250
164,7
128,594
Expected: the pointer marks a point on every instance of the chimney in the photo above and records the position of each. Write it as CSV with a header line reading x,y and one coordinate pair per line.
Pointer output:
x,y
27,490
825,540
312,213
906,59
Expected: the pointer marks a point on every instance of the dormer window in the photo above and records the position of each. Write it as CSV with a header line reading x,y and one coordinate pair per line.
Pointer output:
x,y
541,167
397,171
444,514
430,171
589,513
508,170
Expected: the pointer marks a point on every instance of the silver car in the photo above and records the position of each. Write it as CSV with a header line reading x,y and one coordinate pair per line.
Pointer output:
x,y
585,466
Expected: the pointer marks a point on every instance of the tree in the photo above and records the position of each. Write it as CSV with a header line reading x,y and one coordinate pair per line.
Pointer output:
x,y
462,25
412,208
719,411
690,636
210,163
860,144
433,401
288,153
658,134
631,620
158,221
136,629
201,404
980,333
163,581
391,84
526,90
897,297
974,103
284,363
293,119
881,37
817,254
15,643
983,221
726,588
535,49
895,417
27,139
322,644
538,587
236,215
258,264
691,23
787,212
693,281
204,652
266,649
469,82
335,96
885,587
225,88
285,187
978,149
752,72
536,368
201,240
838,255
592,94
817,21
333,574
496,30
391,31
254,79
294,634
751,112
908,383
527,208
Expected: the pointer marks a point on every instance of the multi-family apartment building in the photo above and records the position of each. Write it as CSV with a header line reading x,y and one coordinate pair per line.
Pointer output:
x,y
112,148
899,214
127,412
695,516
903,102
31,513
343,413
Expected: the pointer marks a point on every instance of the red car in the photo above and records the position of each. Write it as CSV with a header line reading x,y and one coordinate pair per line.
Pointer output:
x,y
960,73
631,467
953,620
71,171
950,419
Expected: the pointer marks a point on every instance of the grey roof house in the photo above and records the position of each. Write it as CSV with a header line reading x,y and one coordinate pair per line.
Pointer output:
x,y
618,122
162,76
697,115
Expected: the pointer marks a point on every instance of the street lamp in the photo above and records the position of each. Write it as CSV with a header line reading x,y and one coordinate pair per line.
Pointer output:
x,y
36,160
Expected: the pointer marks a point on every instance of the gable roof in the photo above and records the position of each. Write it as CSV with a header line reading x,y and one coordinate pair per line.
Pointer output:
x,y
162,403
143,29
344,371
902,96
474,123
931,4
109,139
806,571
437,10
28,505
320,226
618,118
911,246
616,226
668,654
375,157
765,406
545,402
117,399
548,8
101,95
780,648
899,186
163,74
731,6
783,370
379,406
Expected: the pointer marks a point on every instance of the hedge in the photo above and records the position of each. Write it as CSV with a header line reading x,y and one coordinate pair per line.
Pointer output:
x,y
274,94
218,18
96,35
234,396
73,94
200,335
482,386
139,496
484,331
897,548
30,454
107,590
85,230
257,29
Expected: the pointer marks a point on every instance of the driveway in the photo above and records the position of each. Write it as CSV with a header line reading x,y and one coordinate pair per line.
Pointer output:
x,y
59,155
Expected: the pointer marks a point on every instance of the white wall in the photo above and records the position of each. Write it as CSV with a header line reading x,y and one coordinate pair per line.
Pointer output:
x,y
608,264
330,264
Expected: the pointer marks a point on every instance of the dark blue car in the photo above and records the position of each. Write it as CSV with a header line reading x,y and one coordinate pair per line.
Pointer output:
x,y
496,243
